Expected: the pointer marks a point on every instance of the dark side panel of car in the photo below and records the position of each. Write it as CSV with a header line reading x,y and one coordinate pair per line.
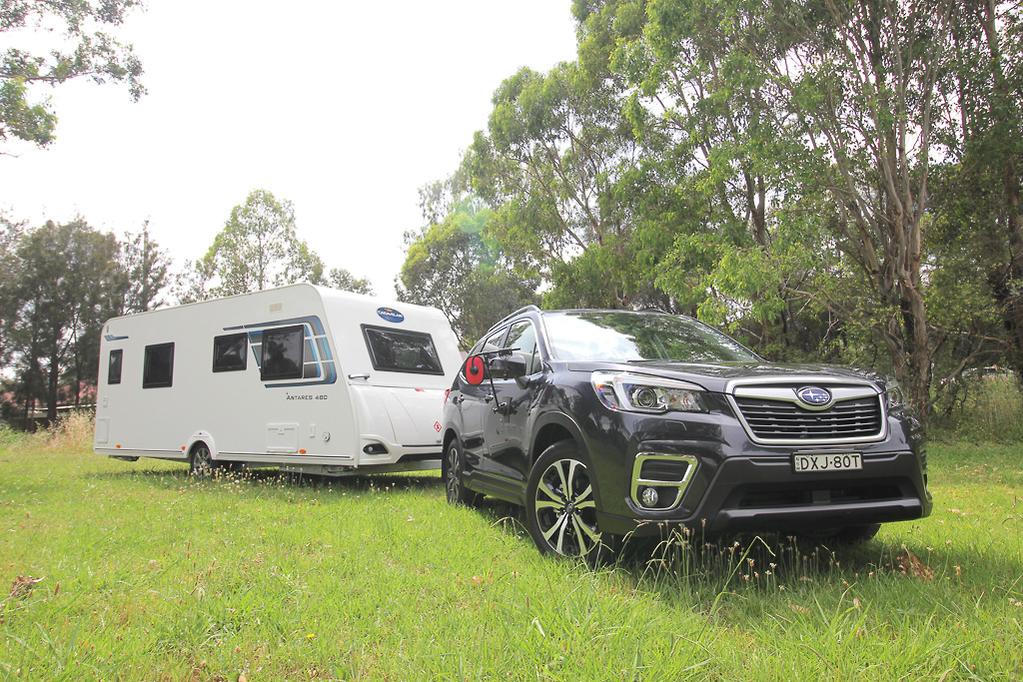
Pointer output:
x,y
733,444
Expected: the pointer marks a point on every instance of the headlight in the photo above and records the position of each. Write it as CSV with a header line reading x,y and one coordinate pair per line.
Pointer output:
x,y
638,393
893,392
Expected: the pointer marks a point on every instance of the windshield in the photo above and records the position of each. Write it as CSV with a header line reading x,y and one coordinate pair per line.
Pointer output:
x,y
621,336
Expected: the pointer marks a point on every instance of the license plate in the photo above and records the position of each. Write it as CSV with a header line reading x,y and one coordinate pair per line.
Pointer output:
x,y
847,461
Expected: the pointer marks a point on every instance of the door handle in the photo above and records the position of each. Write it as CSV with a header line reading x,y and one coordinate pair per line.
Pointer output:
x,y
358,376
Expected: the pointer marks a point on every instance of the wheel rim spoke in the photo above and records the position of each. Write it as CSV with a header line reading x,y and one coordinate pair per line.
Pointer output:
x,y
581,497
590,533
546,490
565,490
570,482
561,535
576,523
547,534
547,504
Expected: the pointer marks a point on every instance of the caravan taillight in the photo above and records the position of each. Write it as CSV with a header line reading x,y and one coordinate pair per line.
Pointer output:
x,y
447,392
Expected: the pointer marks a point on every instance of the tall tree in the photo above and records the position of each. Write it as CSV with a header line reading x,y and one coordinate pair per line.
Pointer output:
x,y
454,266
70,281
60,41
147,269
258,249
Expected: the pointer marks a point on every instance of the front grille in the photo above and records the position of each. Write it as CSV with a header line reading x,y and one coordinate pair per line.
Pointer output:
x,y
780,420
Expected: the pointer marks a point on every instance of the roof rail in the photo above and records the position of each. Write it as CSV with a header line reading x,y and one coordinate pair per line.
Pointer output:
x,y
524,309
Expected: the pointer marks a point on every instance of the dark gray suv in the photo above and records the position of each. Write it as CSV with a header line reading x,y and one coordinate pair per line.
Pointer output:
x,y
606,422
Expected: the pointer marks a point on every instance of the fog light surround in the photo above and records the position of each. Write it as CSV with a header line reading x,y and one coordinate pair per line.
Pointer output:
x,y
645,492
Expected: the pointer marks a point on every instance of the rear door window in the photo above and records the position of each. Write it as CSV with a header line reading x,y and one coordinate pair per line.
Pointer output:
x,y
398,350
281,352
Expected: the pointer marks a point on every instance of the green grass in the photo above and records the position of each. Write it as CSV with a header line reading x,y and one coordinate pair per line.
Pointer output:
x,y
148,574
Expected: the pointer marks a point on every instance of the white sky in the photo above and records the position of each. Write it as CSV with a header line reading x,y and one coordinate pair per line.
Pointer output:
x,y
342,109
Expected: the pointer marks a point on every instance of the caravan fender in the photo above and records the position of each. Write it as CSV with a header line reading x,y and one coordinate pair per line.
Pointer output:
x,y
203,436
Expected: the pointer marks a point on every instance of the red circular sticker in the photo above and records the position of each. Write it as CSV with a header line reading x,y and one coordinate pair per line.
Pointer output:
x,y
474,370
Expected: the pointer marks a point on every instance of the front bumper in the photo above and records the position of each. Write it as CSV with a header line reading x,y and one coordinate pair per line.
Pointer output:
x,y
763,493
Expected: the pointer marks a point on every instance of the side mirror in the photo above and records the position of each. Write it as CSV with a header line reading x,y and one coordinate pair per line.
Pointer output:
x,y
509,367
475,370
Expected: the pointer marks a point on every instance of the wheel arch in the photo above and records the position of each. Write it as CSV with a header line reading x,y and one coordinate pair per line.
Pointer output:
x,y
200,438
550,429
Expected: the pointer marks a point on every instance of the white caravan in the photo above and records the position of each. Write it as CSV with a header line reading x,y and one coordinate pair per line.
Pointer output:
x,y
305,378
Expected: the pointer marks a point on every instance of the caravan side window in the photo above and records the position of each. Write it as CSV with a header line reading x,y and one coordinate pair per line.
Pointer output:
x,y
114,366
230,352
282,353
397,350
158,370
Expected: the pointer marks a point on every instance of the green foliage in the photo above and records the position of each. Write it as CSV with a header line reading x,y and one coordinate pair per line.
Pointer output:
x,y
64,41
836,181
58,284
982,407
339,278
454,266
68,281
147,268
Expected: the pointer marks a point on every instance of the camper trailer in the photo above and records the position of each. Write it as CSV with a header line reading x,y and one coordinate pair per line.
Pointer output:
x,y
301,377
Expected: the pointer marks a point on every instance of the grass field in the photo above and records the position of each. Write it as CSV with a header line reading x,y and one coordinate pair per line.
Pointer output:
x,y
148,574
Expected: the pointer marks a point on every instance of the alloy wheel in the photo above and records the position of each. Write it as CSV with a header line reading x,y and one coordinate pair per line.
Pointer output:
x,y
566,512
451,483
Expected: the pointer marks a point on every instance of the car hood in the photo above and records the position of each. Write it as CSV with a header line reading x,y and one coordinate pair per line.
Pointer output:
x,y
716,377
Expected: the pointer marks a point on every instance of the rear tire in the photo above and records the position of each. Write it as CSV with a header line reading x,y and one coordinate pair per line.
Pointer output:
x,y
200,462
451,473
561,507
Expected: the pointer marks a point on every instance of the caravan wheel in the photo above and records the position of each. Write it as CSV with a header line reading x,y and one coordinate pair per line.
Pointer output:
x,y
201,462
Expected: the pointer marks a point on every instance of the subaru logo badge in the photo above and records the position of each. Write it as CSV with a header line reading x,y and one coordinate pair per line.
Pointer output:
x,y
814,395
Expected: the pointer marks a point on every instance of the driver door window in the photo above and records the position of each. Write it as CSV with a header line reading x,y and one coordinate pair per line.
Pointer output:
x,y
523,337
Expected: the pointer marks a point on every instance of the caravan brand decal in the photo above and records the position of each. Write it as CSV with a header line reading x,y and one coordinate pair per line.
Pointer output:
x,y
390,315
318,360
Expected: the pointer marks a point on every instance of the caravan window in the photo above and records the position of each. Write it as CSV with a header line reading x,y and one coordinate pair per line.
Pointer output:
x,y
394,350
114,366
230,352
158,370
282,353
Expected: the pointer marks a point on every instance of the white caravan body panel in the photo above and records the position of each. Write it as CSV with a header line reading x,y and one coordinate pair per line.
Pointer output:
x,y
372,375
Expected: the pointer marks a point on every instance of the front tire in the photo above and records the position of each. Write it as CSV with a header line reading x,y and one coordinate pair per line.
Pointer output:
x,y
561,506
451,472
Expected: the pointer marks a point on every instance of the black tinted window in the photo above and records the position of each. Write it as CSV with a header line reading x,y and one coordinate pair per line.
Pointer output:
x,y
393,350
282,353
114,366
230,352
158,371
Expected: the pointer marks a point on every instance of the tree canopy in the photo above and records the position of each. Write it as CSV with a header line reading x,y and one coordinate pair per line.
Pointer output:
x,y
50,43
826,180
